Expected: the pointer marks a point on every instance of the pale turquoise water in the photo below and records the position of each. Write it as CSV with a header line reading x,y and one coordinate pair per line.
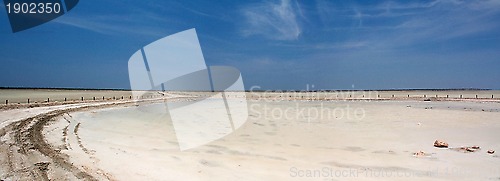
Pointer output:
x,y
41,95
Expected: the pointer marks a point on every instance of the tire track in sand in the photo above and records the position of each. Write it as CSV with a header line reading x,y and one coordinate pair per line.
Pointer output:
x,y
29,155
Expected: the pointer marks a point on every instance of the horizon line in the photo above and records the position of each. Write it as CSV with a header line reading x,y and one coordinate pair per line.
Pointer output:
x,y
272,90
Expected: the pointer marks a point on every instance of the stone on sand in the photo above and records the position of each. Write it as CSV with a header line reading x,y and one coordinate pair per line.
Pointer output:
x,y
440,144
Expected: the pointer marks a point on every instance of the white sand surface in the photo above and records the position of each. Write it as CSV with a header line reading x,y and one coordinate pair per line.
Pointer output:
x,y
287,140
26,153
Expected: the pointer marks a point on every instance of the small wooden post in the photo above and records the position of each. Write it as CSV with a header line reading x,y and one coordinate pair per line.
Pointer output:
x,y
392,95
64,99
130,97
492,96
447,96
408,95
436,96
122,97
425,96
28,100
476,96
82,98
94,98
103,98
114,98
460,96
6,101
48,99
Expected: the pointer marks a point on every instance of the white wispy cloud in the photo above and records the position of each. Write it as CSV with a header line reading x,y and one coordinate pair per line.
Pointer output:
x,y
96,24
272,20
327,46
127,19
446,20
393,24
112,24
388,5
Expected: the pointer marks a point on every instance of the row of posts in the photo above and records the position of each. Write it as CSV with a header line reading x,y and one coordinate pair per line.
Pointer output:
x,y
94,98
142,97
393,96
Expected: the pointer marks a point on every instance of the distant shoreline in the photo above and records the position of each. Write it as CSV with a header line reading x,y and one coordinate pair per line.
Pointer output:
x,y
388,90
62,88
319,90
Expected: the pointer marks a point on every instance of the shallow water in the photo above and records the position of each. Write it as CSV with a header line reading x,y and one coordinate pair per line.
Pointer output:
x,y
41,95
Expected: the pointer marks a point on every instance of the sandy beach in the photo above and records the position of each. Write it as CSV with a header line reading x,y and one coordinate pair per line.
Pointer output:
x,y
305,136
267,90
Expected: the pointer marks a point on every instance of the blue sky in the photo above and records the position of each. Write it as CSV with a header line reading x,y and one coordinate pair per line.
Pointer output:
x,y
275,44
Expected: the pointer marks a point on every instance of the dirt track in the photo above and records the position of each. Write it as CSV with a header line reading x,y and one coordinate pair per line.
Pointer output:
x,y
26,155
29,155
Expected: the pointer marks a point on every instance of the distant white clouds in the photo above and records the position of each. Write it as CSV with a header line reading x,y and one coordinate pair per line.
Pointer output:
x,y
448,19
98,24
411,5
276,21
391,24
343,45
111,24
